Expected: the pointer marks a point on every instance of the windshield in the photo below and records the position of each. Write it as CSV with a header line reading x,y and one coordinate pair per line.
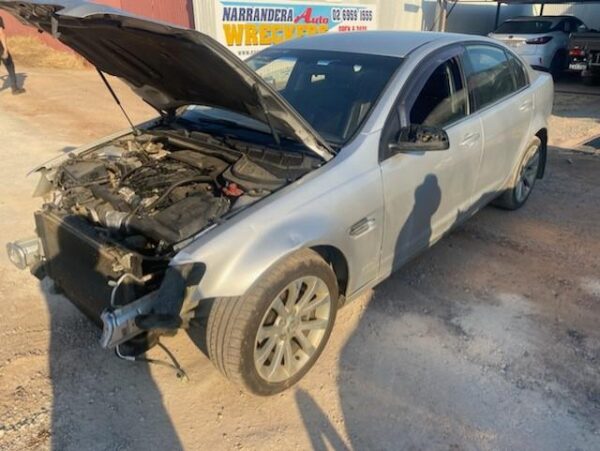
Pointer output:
x,y
333,91
525,27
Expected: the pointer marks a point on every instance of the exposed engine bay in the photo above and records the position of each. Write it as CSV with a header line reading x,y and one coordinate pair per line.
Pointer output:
x,y
152,191
116,214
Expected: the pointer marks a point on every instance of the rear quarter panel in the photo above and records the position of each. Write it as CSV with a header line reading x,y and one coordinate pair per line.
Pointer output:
x,y
543,100
542,88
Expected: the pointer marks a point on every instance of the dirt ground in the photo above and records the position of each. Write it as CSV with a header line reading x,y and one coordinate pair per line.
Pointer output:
x,y
488,341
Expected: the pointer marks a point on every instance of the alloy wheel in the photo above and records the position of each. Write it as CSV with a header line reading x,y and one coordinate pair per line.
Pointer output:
x,y
292,329
527,177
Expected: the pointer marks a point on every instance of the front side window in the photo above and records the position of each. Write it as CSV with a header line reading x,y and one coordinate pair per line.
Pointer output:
x,y
489,77
443,99
333,91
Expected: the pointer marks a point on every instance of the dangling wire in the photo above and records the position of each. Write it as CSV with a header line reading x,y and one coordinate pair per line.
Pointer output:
x,y
174,364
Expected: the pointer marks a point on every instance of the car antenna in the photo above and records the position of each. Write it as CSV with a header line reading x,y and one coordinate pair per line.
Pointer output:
x,y
136,132
267,114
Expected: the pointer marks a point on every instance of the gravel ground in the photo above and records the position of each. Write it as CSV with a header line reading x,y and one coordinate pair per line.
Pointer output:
x,y
490,340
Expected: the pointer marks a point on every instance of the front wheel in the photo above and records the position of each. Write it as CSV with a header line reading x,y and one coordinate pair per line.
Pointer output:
x,y
523,181
268,339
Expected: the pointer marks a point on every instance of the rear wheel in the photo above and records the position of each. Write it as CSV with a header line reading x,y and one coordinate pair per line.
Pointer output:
x,y
558,64
523,181
268,339
590,80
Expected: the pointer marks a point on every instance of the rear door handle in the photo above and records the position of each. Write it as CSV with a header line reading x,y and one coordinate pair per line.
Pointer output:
x,y
525,105
470,139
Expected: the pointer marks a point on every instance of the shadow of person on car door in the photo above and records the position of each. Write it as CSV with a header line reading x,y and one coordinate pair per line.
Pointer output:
x,y
417,228
98,401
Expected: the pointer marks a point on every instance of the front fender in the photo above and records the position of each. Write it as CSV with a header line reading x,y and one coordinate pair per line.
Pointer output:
x,y
236,258
321,209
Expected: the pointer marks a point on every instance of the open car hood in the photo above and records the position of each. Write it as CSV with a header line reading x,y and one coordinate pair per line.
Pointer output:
x,y
167,66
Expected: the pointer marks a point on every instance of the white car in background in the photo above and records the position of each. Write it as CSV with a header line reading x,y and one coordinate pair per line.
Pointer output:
x,y
541,41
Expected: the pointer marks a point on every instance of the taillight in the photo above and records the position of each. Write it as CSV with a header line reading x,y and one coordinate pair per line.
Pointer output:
x,y
576,52
541,40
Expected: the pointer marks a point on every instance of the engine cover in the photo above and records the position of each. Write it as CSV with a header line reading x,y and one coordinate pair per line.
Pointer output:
x,y
188,216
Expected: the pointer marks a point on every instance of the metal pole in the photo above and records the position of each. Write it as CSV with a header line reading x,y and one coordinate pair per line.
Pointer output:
x,y
542,9
443,18
497,14
441,15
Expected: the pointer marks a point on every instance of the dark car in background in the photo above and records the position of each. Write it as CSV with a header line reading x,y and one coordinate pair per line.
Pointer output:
x,y
584,55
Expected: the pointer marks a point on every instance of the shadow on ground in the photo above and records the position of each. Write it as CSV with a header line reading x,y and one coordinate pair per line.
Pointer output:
x,y
90,386
574,99
5,84
488,340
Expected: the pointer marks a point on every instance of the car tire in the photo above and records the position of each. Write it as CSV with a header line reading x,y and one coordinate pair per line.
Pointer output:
x,y
558,64
523,180
269,338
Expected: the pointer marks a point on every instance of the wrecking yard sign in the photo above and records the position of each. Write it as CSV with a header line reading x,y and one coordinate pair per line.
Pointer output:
x,y
247,27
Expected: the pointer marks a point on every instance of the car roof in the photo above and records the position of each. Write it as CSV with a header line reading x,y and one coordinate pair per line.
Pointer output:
x,y
385,43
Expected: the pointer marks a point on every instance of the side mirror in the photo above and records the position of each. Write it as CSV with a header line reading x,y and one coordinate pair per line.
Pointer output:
x,y
420,138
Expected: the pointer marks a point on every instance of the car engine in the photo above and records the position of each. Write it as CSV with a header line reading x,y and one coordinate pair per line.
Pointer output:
x,y
152,191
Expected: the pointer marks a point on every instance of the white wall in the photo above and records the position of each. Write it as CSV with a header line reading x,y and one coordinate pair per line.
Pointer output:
x,y
205,16
400,14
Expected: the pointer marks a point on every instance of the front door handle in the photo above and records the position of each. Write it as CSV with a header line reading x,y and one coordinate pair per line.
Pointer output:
x,y
470,139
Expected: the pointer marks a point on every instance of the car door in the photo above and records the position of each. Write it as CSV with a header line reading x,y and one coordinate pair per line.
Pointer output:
x,y
501,99
424,191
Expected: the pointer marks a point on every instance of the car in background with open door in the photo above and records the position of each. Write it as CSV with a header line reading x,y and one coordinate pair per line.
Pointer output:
x,y
541,41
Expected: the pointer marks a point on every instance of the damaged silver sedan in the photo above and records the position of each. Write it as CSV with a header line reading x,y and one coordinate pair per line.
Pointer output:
x,y
268,193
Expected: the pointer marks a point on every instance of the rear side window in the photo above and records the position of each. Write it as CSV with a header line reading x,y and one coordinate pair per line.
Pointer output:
x,y
518,71
443,99
489,77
